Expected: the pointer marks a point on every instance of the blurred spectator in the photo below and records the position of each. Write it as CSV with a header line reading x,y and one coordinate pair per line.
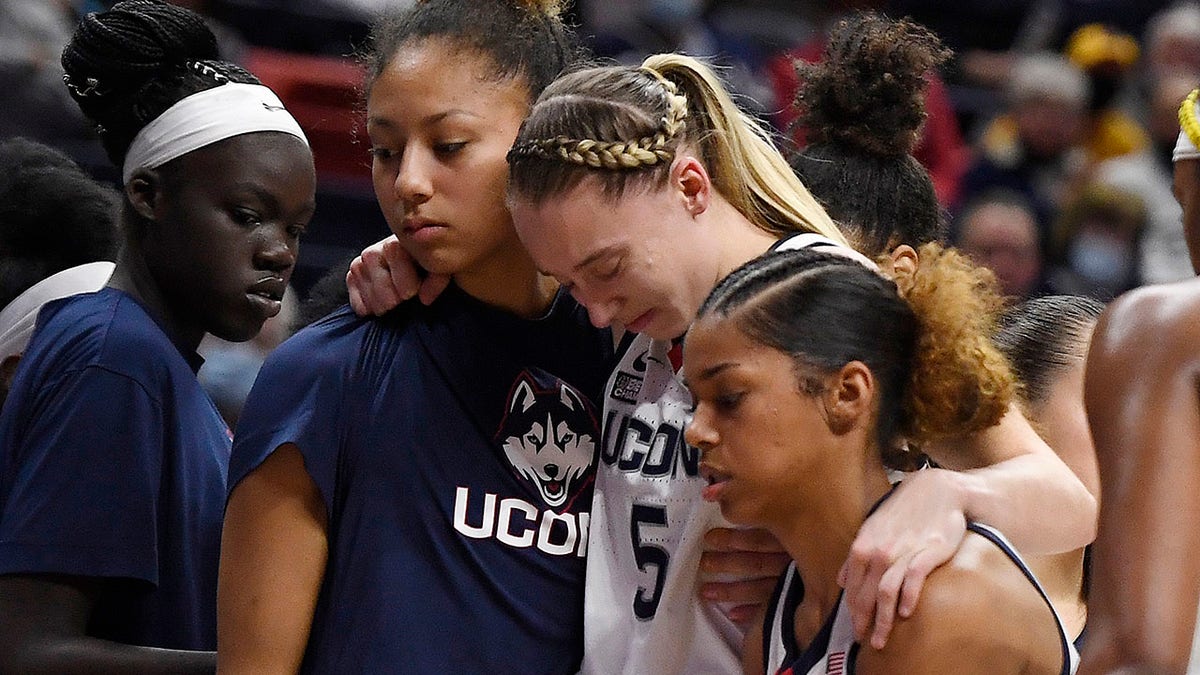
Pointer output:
x,y
32,95
1172,39
1162,254
1094,244
1036,147
1107,58
999,231
629,30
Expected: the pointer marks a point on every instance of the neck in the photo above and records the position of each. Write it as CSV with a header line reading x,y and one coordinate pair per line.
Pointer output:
x,y
132,276
510,281
831,515
740,239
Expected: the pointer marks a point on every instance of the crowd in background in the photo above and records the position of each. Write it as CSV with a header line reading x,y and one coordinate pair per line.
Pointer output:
x,y
1048,135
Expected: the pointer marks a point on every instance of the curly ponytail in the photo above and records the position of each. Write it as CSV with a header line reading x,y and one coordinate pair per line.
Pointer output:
x,y
960,381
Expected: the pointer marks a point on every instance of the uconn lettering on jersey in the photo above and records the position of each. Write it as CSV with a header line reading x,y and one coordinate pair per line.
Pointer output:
x,y
518,523
634,446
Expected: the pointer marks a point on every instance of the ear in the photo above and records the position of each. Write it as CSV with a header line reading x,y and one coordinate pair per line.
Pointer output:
x,y
848,397
691,179
523,396
904,264
144,192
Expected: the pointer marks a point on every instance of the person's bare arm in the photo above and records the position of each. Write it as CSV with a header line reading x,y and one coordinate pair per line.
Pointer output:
x,y
752,644
273,554
1004,476
43,624
1142,391
384,275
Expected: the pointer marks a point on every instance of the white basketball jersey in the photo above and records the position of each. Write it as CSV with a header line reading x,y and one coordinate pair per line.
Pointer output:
x,y
642,613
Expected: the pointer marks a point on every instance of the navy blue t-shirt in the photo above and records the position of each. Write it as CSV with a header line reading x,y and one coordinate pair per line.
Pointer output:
x,y
454,447
113,464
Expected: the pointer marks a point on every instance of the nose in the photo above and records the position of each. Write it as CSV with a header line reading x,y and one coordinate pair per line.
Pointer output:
x,y
551,471
698,432
276,251
601,311
413,184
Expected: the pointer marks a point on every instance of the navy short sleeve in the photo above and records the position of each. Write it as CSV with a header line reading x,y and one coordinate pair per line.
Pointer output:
x,y
297,399
82,498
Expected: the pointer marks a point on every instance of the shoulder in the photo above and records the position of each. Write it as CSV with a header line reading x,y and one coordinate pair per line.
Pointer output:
x,y
979,608
1154,325
107,329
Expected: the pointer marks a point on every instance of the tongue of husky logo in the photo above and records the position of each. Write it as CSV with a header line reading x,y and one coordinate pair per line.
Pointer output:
x,y
548,434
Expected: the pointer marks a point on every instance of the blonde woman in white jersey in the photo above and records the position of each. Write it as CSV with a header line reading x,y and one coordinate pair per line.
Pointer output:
x,y
1141,390
639,189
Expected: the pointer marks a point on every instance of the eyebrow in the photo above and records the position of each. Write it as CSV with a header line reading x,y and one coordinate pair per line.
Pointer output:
x,y
269,199
597,255
711,372
426,121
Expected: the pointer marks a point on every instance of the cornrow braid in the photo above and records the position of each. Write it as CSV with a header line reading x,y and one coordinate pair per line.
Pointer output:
x,y
127,65
647,151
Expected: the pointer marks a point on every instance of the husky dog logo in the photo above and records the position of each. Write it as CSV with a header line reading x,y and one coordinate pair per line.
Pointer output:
x,y
549,435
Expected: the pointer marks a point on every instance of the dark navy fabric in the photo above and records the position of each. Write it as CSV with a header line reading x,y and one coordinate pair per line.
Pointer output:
x,y
445,555
113,464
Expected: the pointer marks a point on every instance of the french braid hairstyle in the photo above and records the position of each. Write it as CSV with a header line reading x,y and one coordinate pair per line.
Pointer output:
x,y
930,349
624,126
523,38
863,105
127,65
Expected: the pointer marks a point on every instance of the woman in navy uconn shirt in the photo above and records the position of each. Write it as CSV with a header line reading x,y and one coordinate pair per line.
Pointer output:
x,y
112,458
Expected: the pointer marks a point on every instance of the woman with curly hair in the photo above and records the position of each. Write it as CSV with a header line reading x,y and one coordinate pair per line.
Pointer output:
x,y
807,372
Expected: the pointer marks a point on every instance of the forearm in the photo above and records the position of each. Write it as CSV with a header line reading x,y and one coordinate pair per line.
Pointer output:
x,y
68,655
1016,495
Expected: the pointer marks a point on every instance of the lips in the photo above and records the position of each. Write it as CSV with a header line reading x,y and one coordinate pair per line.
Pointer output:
x,y
267,294
717,481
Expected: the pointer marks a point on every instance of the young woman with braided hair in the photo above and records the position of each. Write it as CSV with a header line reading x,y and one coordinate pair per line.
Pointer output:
x,y
411,492
112,458
808,371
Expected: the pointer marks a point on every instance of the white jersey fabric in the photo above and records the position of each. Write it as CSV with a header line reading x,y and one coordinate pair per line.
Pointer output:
x,y
642,613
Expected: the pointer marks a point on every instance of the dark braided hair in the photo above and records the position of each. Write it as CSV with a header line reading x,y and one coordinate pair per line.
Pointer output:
x,y
523,38
127,65
1045,336
862,106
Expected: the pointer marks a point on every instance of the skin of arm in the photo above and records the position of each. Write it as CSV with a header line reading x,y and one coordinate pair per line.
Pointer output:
x,y
273,553
1004,476
1141,388
43,624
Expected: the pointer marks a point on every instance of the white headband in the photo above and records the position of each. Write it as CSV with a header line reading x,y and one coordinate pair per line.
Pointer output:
x,y
17,319
1184,148
205,118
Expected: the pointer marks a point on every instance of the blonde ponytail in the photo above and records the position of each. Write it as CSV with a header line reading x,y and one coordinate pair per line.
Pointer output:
x,y
745,165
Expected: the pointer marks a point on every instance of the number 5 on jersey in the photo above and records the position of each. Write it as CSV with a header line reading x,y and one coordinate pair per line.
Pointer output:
x,y
648,556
